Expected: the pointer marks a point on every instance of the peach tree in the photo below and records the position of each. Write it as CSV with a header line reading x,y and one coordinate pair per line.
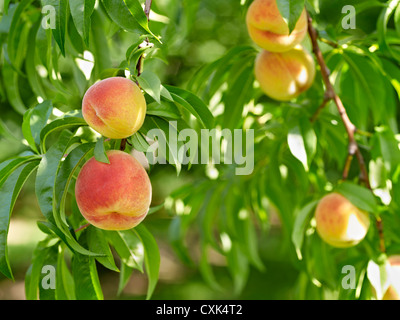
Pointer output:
x,y
315,82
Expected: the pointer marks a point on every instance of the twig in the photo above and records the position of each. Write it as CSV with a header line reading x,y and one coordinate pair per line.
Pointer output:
x,y
321,107
353,149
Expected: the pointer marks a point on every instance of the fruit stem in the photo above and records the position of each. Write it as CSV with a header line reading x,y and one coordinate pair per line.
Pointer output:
x,y
351,129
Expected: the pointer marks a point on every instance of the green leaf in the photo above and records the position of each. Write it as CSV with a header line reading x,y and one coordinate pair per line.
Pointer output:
x,y
302,141
291,11
65,288
128,246
12,88
47,173
33,122
14,36
239,92
139,142
239,268
382,25
100,151
302,220
9,192
97,242
34,272
155,209
32,61
193,104
127,15
81,12
397,19
151,84
166,109
124,277
297,146
151,257
61,14
48,274
378,277
7,167
360,196
51,192
65,175
87,283
166,135
59,124
206,268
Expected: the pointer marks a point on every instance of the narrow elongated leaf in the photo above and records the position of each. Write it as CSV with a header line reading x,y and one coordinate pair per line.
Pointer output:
x,y
31,61
129,248
12,88
97,242
47,173
86,278
302,141
139,142
238,93
360,196
193,104
59,124
7,167
64,177
151,257
100,151
290,11
302,220
297,146
13,36
34,121
150,83
124,277
123,16
48,275
34,272
8,195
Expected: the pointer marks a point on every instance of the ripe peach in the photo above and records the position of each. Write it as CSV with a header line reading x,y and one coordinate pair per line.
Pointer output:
x,y
283,76
114,107
269,30
393,292
113,196
340,223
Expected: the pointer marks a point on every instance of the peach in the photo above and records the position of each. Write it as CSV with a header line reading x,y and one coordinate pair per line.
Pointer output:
x,y
285,75
114,107
269,30
114,196
393,292
340,223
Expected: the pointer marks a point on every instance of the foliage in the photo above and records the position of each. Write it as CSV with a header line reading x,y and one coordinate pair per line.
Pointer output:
x,y
298,159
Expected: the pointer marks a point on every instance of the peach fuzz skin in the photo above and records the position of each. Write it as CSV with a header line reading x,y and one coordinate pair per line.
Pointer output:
x,y
339,222
114,107
113,196
269,30
284,76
